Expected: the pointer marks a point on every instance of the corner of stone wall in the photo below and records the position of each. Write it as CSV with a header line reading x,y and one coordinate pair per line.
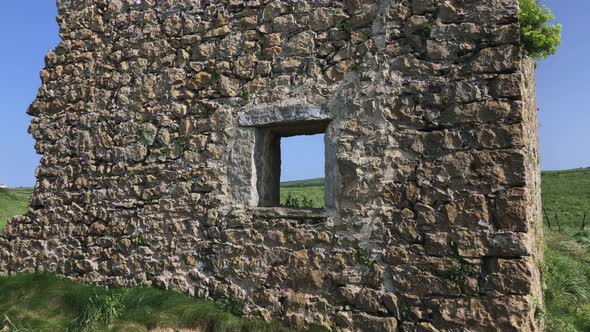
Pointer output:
x,y
531,127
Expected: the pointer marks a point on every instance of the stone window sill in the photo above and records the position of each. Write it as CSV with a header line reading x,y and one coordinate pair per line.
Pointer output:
x,y
307,215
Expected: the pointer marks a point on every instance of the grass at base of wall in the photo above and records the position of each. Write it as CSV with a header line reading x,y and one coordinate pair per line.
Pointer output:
x,y
566,279
45,303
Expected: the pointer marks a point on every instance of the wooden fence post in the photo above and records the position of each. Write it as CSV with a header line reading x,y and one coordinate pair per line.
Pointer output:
x,y
547,218
557,221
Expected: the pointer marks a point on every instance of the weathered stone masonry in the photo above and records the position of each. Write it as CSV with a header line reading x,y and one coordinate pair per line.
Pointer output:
x,y
154,118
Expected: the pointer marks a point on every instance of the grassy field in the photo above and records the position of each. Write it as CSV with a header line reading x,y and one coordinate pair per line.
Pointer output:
x,y
47,303
311,189
566,275
567,251
567,194
13,202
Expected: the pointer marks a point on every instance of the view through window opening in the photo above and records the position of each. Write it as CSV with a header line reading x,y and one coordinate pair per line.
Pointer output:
x,y
293,151
303,170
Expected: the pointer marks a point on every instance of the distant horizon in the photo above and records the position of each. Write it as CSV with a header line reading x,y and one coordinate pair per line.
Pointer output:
x,y
321,178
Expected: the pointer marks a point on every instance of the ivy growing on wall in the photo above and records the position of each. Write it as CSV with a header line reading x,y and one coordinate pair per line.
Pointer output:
x,y
541,34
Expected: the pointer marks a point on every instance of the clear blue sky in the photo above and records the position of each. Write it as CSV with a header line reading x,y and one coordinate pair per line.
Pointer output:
x,y
28,31
563,91
302,157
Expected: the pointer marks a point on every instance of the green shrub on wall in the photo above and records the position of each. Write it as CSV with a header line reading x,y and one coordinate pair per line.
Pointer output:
x,y
540,33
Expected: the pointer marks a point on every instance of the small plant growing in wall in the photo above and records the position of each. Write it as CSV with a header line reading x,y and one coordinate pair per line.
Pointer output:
x,y
215,75
137,240
355,66
458,274
540,33
362,257
426,30
405,312
346,26
184,139
246,96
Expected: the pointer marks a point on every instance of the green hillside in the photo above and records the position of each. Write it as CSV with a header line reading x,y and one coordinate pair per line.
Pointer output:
x,y
319,182
13,202
567,194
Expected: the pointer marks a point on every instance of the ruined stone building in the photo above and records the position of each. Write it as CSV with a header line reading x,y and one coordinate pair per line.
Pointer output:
x,y
159,124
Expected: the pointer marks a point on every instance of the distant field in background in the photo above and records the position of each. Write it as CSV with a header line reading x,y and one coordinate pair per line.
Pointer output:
x,y
13,202
319,182
312,189
567,193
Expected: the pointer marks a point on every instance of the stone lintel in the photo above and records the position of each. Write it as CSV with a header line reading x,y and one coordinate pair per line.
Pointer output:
x,y
284,114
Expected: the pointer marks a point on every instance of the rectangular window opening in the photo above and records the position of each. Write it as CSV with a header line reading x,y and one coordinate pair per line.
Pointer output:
x,y
291,166
303,171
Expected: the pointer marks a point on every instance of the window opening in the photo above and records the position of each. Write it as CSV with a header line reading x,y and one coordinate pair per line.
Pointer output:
x,y
302,171
293,151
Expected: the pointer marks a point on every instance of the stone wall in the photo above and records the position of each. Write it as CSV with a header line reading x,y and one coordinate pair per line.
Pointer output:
x,y
151,114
